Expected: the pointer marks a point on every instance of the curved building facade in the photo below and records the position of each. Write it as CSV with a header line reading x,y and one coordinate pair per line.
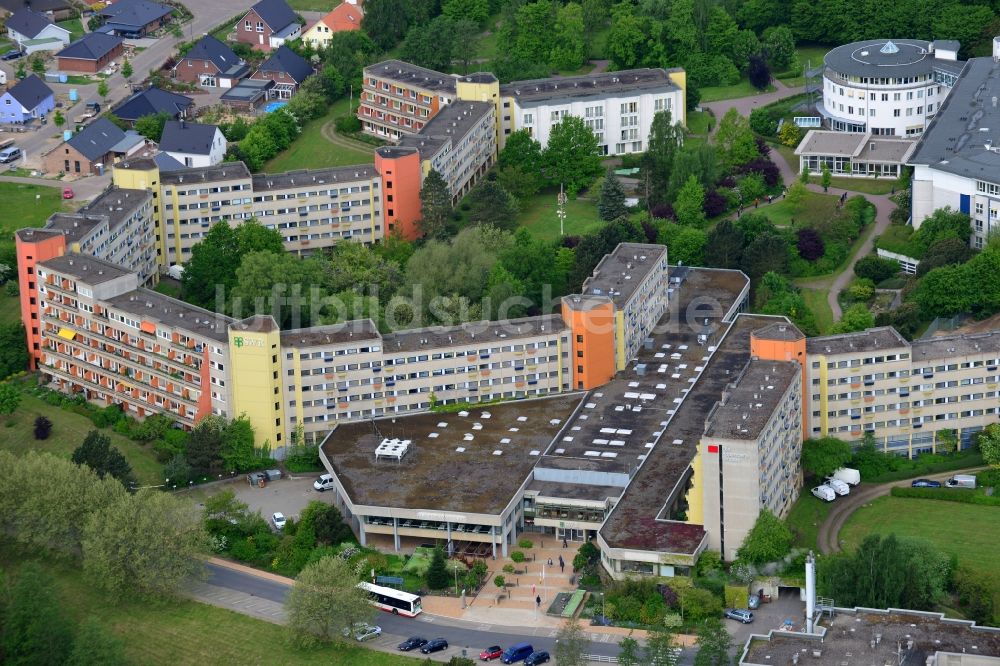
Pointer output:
x,y
887,87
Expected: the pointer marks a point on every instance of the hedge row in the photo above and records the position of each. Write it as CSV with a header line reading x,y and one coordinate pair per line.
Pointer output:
x,y
948,495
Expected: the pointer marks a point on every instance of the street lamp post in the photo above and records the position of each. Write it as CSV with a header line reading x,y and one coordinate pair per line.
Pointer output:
x,y
561,209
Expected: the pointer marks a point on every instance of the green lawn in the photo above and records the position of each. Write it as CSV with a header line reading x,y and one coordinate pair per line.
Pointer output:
x,y
969,532
814,207
169,287
74,26
811,56
10,309
311,150
865,185
699,122
741,89
538,215
805,518
816,301
68,431
26,206
313,5
188,632
80,80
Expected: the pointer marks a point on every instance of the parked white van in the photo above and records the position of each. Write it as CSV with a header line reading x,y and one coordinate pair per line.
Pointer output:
x,y
851,477
838,486
825,493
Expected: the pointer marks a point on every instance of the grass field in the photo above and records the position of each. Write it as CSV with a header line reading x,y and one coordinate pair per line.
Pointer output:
x,y
969,532
814,207
187,632
865,185
741,89
311,150
807,514
312,5
68,431
816,301
26,206
811,56
74,26
699,122
538,215
10,309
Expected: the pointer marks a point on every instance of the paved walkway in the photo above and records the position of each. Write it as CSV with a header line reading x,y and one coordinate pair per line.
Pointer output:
x,y
883,207
744,105
829,532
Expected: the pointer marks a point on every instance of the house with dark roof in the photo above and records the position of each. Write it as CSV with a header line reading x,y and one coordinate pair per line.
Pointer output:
x,y
210,64
248,95
287,69
133,18
98,146
57,9
90,54
30,98
33,31
150,102
268,25
193,144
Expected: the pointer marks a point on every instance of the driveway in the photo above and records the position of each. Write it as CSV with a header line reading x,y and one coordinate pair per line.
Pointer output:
x,y
767,617
829,531
289,495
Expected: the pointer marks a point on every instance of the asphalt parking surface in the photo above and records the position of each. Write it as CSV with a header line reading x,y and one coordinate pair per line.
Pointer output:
x,y
289,495
767,617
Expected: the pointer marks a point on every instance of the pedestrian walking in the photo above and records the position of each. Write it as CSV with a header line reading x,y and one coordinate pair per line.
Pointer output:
x,y
565,545
538,602
562,565
756,203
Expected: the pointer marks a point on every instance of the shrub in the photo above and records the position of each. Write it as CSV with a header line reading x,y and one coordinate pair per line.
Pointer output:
x,y
715,204
43,427
876,268
809,244
508,569
517,556
347,124
527,544
762,121
737,597
963,496
107,417
11,289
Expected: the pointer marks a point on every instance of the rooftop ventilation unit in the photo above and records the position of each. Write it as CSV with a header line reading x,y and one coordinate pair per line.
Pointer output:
x,y
393,449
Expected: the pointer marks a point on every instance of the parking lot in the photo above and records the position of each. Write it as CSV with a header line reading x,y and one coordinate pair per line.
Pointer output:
x,y
289,495
767,617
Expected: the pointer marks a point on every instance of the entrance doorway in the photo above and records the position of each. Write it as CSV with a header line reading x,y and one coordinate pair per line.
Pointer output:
x,y
571,534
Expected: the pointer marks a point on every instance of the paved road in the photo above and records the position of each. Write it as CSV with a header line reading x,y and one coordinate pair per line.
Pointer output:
x,y
744,105
844,508
458,633
883,207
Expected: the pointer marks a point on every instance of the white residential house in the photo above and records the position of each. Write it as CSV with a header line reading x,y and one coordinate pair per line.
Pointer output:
x,y
33,31
193,144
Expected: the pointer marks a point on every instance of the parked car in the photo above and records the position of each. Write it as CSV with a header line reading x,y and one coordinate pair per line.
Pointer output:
x,y
536,658
94,107
324,482
825,493
838,486
68,193
362,631
740,615
279,520
925,483
435,645
962,481
11,154
491,653
847,475
412,643
516,653
13,54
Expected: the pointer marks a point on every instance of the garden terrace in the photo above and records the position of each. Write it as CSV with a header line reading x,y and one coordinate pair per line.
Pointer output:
x,y
451,464
848,638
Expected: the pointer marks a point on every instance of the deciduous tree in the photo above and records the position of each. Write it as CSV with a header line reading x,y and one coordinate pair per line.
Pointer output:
x,y
630,653
472,10
568,47
735,141
571,644
758,72
768,541
151,126
724,248
661,646
665,138
489,203
989,444
714,644
690,202
779,46
571,157
326,602
855,318
822,457
144,545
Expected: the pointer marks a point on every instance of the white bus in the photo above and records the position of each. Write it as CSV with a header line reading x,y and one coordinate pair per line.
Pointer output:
x,y
393,601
